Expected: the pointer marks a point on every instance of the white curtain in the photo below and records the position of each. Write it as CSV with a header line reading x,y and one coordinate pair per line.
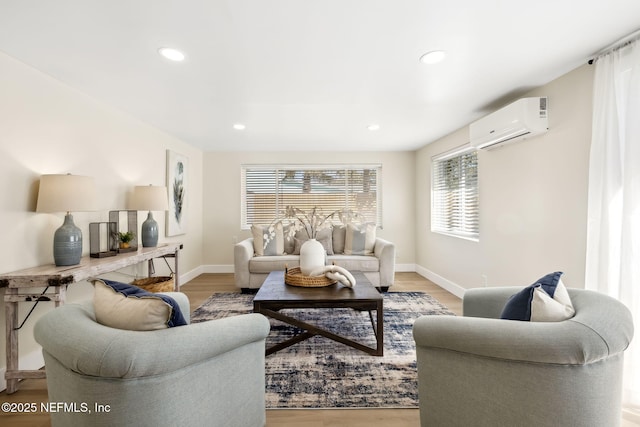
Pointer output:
x,y
613,235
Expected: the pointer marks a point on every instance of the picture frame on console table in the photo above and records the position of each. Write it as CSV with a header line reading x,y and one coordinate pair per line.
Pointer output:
x,y
178,187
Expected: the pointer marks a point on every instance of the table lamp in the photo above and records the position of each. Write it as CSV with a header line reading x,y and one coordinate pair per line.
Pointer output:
x,y
66,193
151,198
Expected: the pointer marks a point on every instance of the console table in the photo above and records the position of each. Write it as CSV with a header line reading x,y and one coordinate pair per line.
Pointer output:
x,y
19,288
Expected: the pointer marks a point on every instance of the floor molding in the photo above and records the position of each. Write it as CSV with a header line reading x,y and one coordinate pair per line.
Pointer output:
x,y
446,284
190,275
217,268
406,268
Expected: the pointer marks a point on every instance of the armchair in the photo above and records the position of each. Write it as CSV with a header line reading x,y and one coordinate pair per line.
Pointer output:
x,y
482,371
203,374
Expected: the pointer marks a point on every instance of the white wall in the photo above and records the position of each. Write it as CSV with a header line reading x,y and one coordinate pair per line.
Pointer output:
x,y
533,200
222,198
46,127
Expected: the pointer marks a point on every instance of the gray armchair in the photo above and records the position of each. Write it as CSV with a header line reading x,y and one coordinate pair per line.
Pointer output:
x,y
203,374
478,370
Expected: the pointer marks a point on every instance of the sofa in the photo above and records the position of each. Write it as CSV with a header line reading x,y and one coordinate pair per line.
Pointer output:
x,y
376,262
482,370
182,376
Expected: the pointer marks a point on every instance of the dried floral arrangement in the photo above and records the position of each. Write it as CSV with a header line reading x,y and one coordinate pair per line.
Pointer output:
x,y
311,221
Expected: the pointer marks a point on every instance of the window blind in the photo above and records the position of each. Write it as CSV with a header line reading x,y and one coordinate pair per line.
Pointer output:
x,y
454,199
268,189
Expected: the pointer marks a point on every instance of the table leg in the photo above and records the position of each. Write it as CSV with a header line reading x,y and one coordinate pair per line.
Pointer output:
x,y
311,330
62,295
12,298
176,276
11,312
380,330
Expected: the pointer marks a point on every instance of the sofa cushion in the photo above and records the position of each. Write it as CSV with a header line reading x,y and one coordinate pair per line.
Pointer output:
x,y
323,236
547,300
123,306
289,242
338,235
355,262
268,239
267,264
360,240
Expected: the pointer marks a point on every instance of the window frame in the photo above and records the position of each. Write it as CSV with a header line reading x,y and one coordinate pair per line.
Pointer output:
x,y
466,217
330,167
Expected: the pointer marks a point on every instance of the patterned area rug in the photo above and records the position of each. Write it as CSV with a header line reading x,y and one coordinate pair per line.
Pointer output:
x,y
321,373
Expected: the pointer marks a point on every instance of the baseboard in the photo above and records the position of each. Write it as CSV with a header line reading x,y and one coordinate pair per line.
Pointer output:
x,y
217,268
190,275
446,284
31,361
405,268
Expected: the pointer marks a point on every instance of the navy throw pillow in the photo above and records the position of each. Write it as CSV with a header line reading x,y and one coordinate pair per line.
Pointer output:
x,y
552,294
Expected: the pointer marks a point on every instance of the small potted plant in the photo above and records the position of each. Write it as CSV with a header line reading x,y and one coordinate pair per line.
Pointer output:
x,y
125,239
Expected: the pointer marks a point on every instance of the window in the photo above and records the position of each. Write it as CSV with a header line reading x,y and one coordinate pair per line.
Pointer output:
x,y
268,189
454,194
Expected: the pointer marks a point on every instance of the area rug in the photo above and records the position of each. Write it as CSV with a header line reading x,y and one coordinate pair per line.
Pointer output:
x,y
321,373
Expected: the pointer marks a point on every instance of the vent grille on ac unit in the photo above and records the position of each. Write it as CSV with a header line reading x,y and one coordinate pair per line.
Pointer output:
x,y
543,107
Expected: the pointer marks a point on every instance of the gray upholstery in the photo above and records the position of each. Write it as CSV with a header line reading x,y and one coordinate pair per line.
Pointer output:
x,y
482,371
251,271
204,374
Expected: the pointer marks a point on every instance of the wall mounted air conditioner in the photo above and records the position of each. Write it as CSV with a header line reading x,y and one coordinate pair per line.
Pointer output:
x,y
521,119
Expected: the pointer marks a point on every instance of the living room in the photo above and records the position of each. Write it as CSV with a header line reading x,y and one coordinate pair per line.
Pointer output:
x,y
534,192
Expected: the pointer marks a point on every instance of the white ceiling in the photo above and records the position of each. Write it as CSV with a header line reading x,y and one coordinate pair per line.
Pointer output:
x,y
309,74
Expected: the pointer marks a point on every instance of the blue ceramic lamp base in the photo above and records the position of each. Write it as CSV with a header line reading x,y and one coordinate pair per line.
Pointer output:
x,y
149,232
67,243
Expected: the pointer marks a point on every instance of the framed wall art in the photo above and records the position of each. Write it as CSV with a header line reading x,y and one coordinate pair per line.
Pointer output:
x,y
178,187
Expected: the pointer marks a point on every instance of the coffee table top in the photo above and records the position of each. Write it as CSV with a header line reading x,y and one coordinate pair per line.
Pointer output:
x,y
274,289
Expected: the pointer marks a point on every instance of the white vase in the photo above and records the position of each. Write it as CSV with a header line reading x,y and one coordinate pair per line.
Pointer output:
x,y
312,256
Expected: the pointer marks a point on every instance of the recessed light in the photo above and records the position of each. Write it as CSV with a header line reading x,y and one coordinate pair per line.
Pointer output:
x,y
373,127
172,54
239,126
433,57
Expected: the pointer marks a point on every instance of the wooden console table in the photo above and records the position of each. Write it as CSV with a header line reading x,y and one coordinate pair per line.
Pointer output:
x,y
50,276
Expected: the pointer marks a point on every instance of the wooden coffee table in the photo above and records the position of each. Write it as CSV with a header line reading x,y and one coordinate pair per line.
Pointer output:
x,y
275,295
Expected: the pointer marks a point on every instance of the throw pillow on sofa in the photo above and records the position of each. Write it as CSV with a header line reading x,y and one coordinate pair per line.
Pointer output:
x,y
289,239
337,236
123,306
268,239
360,240
323,236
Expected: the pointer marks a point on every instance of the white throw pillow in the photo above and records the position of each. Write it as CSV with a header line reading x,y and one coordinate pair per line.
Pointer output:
x,y
268,239
131,308
547,309
360,240
338,237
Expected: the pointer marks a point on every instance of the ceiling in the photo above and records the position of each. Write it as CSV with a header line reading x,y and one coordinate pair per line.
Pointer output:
x,y
309,74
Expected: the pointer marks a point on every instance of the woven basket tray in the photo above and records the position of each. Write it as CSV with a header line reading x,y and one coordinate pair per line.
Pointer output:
x,y
294,277
155,284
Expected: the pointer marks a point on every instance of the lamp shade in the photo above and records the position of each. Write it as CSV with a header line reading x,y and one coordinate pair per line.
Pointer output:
x,y
150,198
66,193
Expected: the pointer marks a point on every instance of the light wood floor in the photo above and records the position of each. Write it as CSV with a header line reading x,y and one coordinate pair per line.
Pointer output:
x,y
198,290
